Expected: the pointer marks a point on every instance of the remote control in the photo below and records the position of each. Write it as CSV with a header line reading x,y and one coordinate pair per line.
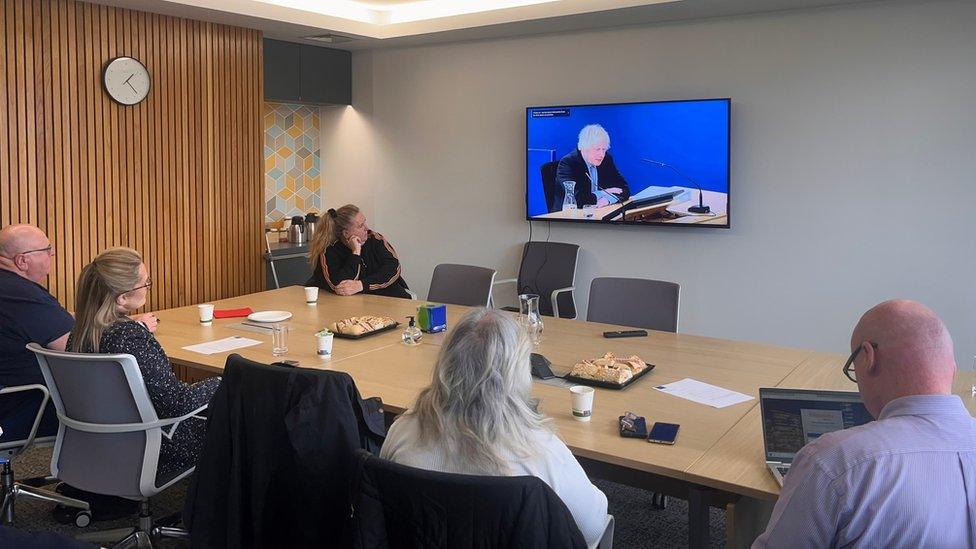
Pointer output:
x,y
625,333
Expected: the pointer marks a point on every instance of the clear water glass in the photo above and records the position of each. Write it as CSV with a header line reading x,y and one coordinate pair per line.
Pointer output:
x,y
279,339
530,318
535,328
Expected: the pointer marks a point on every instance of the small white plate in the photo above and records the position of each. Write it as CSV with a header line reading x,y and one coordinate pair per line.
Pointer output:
x,y
269,316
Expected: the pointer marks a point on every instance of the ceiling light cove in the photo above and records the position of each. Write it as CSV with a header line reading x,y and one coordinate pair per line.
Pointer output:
x,y
391,12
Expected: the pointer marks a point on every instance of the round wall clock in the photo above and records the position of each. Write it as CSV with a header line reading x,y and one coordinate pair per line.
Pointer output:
x,y
126,80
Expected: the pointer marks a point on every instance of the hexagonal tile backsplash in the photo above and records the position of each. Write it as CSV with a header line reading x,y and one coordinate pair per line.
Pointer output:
x,y
291,160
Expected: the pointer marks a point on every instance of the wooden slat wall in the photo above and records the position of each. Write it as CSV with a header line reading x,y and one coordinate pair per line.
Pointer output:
x,y
178,177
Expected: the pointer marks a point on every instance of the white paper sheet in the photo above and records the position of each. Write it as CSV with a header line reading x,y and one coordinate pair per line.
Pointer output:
x,y
222,345
703,393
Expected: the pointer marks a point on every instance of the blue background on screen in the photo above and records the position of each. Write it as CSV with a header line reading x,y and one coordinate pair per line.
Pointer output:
x,y
692,136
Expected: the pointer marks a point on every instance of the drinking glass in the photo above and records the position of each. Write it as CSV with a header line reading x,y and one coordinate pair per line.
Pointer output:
x,y
279,339
530,318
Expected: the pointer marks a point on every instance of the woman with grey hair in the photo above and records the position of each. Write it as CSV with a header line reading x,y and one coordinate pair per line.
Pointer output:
x,y
478,417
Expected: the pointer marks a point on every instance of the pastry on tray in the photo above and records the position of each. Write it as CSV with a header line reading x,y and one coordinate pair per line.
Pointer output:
x,y
359,325
609,368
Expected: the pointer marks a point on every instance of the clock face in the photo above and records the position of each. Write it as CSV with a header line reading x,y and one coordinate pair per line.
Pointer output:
x,y
126,80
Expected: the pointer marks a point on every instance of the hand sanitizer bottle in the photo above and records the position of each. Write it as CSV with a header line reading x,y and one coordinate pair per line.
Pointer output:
x,y
412,334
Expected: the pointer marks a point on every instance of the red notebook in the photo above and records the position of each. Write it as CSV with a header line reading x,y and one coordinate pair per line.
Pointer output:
x,y
232,313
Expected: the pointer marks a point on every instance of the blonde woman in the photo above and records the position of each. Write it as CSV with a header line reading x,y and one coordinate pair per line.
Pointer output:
x,y
478,417
348,258
114,284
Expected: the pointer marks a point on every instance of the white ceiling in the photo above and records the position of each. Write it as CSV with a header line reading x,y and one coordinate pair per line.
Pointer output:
x,y
382,23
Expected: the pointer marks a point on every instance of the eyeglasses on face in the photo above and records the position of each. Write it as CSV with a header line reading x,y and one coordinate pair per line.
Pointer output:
x,y
849,365
49,250
147,285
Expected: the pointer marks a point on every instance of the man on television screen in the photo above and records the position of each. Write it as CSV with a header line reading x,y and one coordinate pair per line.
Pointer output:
x,y
598,182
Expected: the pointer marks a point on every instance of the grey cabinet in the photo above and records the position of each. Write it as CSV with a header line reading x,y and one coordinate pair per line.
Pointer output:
x,y
299,73
281,71
326,75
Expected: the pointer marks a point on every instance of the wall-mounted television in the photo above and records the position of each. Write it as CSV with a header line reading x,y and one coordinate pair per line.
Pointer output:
x,y
663,163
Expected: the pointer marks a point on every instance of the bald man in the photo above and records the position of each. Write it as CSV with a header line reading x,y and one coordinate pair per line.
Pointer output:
x,y
905,480
28,313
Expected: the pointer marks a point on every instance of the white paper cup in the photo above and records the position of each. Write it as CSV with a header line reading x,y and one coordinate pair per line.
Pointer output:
x,y
582,402
324,344
206,312
311,294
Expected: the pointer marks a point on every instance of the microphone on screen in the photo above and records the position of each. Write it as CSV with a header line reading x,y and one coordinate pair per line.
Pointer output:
x,y
701,208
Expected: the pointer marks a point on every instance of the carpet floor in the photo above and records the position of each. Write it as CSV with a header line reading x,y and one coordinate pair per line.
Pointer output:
x,y
637,524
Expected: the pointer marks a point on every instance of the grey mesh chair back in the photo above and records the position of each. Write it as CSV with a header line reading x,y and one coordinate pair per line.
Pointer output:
x,y
636,302
109,438
461,285
549,269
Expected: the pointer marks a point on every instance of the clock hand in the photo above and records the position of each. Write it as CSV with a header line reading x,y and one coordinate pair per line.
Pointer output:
x,y
131,86
126,81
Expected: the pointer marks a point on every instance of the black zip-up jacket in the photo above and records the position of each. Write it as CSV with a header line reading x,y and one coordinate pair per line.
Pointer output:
x,y
279,453
377,266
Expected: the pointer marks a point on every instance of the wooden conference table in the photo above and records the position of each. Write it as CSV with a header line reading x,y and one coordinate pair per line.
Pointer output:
x,y
717,458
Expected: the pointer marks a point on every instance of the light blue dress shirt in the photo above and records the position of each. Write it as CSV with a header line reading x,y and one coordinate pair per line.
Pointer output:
x,y
905,480
594,179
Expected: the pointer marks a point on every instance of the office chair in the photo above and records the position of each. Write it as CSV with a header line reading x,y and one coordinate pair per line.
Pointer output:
x,y
389,499
12,491
461,285
549,270
110,436
636,302
554,192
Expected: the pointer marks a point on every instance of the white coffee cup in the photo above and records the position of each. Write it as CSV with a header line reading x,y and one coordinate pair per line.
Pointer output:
x,y
582,402
311,294
324,343
206,312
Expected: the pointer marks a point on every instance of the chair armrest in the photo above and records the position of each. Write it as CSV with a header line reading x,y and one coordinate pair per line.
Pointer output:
x,y
413,295
46,395
606,539
129,427
491,294
555,293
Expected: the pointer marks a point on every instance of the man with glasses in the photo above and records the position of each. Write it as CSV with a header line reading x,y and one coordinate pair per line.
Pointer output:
x,y
28,313
905,480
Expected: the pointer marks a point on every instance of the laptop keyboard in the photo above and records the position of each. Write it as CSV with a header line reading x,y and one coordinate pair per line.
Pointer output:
x,y
782,470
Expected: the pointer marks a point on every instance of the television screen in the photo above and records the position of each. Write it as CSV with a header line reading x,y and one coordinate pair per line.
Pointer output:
x,y
655,163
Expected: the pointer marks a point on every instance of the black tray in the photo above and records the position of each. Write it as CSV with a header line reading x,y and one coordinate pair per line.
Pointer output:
x,y
607,384
367,334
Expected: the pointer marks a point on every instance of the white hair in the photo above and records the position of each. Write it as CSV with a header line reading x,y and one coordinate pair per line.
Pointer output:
x,y
479,403
592,134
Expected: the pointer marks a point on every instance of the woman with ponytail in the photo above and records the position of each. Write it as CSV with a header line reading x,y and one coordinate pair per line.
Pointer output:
x,y
113,285
348,258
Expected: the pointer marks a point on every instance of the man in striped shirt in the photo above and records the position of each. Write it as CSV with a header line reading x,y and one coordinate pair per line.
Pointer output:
x,y
905,480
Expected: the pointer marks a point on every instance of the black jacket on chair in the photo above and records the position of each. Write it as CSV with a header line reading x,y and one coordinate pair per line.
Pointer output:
x,y
279,452
395,506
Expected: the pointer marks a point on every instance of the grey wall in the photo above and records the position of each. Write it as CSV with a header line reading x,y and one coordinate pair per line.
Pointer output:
x,y
854,137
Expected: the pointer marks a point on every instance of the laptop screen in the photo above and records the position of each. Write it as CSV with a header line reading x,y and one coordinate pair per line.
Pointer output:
x,y
791,418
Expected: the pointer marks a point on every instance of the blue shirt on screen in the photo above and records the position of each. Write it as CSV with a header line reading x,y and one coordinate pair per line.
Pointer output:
x,y
594,180
28,314
905,480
